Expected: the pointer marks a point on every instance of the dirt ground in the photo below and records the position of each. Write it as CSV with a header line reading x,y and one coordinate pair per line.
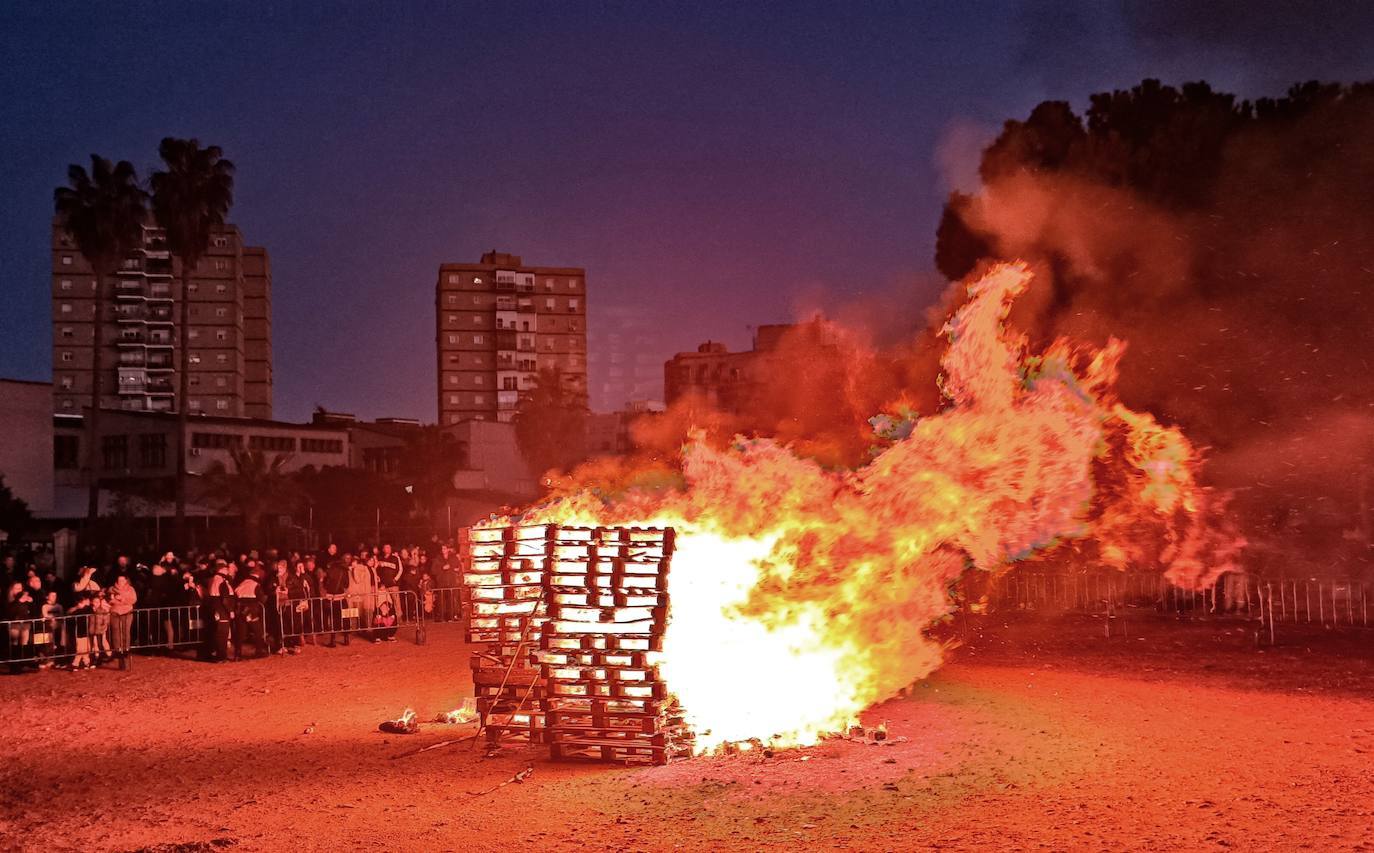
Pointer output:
x,y
1040,736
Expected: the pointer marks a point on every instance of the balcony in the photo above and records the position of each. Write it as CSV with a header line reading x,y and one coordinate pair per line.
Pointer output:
x,y
128,338
158,362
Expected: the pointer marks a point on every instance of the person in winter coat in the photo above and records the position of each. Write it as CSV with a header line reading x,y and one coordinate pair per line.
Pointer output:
x,y
18,612
220,606
249,614
122,600
336,579
362,591
164,592
384,622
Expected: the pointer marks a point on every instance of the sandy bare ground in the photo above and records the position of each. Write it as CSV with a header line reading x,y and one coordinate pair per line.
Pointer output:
x,y
1181,740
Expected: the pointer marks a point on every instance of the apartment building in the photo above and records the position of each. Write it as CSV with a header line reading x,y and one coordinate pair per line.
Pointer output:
x,y
499,323
230,333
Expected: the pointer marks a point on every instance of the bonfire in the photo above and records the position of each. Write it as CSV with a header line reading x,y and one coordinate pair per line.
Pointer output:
x,y
800,595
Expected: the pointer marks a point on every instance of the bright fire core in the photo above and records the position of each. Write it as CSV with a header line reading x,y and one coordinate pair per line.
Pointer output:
x,y
800,595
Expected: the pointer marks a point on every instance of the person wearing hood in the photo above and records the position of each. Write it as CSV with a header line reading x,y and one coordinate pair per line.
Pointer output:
x,y
123,597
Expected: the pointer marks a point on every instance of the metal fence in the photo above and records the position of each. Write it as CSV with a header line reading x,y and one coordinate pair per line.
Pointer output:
x,y
1284,601
89,637
342,617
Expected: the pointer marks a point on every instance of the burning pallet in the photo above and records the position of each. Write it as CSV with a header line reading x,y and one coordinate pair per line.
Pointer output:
x,y
504,576
600,612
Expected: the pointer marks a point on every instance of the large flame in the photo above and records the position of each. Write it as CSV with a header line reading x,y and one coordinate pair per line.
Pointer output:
x,y
801,596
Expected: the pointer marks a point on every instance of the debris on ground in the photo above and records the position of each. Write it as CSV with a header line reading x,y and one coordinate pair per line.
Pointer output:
x,y
402,725
518,779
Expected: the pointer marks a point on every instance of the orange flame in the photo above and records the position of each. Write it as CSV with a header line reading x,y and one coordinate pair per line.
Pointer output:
x,y
800,596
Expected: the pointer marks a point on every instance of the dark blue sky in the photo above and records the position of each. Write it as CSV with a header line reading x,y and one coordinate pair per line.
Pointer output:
x,y
712,166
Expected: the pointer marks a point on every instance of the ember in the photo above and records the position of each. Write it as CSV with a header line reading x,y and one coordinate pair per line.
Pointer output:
x,y
801,595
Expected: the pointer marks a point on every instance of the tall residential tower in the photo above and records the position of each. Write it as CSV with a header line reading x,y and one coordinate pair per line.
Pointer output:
x,y
499,323
230,335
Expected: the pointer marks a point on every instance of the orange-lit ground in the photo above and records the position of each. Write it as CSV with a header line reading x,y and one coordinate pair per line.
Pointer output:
x,y
1186,739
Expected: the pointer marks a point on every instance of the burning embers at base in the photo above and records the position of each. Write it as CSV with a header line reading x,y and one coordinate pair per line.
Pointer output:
x,y
800,595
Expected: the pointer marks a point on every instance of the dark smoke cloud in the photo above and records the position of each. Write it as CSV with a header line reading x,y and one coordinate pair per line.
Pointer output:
x,y
1274,41
1248,315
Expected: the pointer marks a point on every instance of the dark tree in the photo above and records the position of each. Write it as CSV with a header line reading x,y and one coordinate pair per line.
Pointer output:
x,y
15,517
191,198
252,487
102,212
428,462
551,424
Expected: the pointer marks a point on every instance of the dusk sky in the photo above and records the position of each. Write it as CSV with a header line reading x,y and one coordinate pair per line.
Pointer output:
x,y
714,167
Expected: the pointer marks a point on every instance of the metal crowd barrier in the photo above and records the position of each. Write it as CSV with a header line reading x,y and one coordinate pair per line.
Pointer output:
x,y
1322,603
349,615
445,604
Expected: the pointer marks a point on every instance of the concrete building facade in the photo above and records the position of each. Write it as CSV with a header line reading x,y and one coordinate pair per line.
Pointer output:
x,y
498,323
230,333
26,452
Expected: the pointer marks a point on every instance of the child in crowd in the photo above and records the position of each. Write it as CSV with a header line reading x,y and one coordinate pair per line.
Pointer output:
x,y
100,627
51,613
384,622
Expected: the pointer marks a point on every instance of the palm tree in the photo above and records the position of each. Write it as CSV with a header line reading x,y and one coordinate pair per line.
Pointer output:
x,y
191,198
103,213
255,486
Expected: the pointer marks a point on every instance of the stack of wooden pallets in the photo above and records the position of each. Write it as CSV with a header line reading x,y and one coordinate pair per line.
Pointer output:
x,y
504,576
607,595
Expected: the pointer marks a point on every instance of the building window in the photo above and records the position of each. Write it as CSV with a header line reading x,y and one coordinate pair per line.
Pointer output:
x,y
453,339
573,284
548,304
114,451
222,358
66,383
221,242
66,308
66,284
548,284
193,334
194,380
221,312
152,450
66,404
66,260
453,399
477,339
66,451
479,399
321,445
476,280
280,443
508,383
453,278
477,380
193,287
453,299
194,358
572,305
222,405
67,332
66,356
452,319
220,382
221,264
476,319
214,440
476,300
221,335
453,379
455,418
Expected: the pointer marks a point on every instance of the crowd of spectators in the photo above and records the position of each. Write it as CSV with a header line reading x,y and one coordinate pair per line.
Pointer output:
x,y
222,604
